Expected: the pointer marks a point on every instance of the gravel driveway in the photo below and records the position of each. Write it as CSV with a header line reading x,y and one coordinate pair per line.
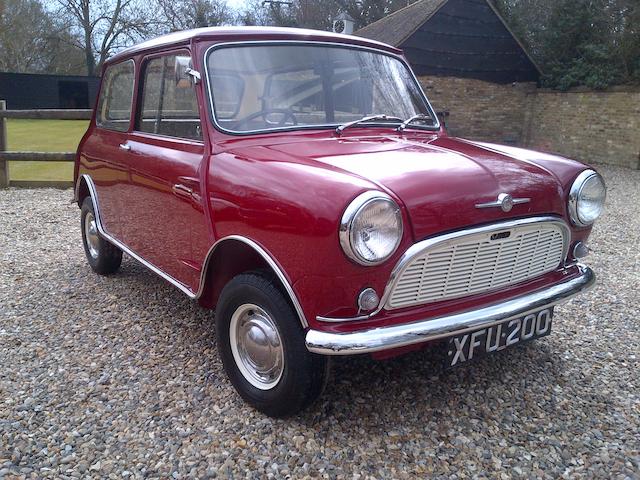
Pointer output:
x,y
119,377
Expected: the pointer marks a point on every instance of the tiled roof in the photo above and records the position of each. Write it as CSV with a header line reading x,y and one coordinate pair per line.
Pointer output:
x,y
401,24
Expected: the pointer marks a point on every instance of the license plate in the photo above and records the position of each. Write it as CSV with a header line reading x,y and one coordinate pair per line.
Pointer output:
x,y
469,346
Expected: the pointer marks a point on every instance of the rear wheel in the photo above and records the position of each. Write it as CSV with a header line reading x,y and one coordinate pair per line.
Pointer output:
x,y
103,257
262,347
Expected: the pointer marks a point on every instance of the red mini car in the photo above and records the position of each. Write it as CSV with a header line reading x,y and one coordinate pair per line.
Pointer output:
x,y
300,183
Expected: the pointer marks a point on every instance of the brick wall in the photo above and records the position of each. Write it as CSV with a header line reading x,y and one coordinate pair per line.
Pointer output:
x,y
598,127
480,110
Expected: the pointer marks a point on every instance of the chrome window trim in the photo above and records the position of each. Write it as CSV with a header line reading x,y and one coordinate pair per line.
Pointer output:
x,y
146,59
417,249
574,194
429,329
194,296
168,138
425,99
349,215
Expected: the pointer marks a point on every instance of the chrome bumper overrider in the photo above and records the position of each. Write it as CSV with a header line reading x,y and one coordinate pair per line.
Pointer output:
x,y
384,338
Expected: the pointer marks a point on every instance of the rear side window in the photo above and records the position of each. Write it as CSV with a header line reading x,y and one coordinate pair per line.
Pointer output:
x,y
114,104
169,106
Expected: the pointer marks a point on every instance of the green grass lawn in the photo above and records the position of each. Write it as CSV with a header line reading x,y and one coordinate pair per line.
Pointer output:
x,y
43,136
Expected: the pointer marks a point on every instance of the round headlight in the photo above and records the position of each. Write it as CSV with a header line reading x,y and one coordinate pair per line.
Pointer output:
x,y
371,228
586,198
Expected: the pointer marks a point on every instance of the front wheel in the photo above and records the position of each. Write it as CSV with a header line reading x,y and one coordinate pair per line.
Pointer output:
x,y
103,257
262,347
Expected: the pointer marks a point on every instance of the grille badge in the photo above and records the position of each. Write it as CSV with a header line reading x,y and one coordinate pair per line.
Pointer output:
x,y
501,235
504,201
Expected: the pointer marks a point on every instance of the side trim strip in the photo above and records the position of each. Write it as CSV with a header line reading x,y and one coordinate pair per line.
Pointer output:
x,y
263,253
385,338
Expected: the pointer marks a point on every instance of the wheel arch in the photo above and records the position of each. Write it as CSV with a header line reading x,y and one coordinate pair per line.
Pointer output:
x,y
233,255
82,190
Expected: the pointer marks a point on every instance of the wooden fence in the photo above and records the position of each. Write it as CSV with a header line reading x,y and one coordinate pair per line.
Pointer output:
x,y
6,156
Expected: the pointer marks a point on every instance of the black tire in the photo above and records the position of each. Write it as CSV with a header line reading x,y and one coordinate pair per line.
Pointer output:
x,y
106,257
303,374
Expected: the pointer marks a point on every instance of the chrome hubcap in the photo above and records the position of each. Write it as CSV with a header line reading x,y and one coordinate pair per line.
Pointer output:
x,y
256,346
91,235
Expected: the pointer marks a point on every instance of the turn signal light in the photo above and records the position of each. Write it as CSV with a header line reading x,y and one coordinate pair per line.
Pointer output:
x,y
368,300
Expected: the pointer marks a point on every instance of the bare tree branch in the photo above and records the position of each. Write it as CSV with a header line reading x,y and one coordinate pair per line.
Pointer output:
x,y
100,25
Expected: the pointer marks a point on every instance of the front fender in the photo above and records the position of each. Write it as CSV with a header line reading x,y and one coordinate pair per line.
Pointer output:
x,y
293,210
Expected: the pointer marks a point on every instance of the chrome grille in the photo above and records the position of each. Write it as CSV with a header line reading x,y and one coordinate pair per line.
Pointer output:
x,y
481,260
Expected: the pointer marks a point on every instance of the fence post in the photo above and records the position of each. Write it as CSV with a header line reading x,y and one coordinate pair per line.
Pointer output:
x,y
4,165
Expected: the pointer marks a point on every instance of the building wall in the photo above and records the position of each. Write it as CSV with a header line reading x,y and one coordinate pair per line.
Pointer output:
x,y
26,91
480,110
465,39
594,127
600,127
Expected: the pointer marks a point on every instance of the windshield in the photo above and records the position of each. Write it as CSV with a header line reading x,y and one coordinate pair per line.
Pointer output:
x,y
266,87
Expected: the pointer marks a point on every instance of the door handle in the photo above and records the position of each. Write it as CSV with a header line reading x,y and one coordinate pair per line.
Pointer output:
x,y
124,146
182,190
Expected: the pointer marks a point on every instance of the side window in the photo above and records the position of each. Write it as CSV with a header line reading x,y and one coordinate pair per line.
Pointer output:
x,y
114,104
169,105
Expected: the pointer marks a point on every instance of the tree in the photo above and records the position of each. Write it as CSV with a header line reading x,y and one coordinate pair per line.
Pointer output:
x,y
100,27
579,42
575,46
527,19
627,18
31,40
365,12
316,14
287,13
186,14
62,56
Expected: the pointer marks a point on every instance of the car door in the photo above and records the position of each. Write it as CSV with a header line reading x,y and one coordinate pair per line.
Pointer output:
x,y
165,152
105,159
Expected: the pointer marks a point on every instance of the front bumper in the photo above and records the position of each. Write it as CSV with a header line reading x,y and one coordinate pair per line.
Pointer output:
x,y
385,338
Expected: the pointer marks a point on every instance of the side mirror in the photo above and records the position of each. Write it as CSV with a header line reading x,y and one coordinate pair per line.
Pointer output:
x,y
185,77
442,116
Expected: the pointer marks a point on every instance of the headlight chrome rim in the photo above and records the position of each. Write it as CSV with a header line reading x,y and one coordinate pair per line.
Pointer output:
x,y
352,211
574,196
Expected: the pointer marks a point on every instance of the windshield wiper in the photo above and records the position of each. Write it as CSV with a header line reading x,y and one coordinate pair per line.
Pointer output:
x,y
405,124
344,126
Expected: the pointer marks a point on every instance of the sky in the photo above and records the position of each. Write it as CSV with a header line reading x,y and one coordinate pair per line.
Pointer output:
x,y
236,4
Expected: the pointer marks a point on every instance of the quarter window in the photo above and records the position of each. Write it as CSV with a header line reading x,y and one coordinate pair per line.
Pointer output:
x,y
169,104
114,105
